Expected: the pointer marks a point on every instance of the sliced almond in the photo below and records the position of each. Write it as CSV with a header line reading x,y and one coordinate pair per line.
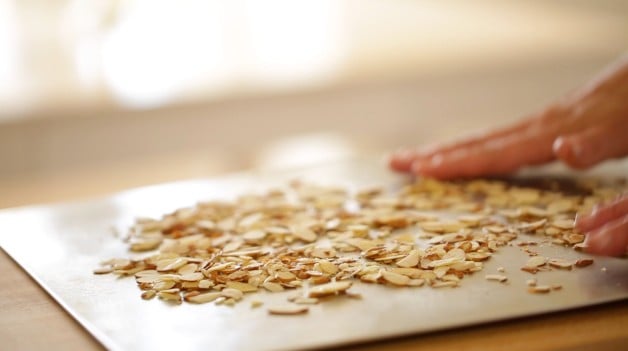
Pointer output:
x,y
561,263
496,277
411,260
243,287
539,289
287,310
333,288
583,262
204,297
272,287
306,301
328,267
536,261
103,270
395,278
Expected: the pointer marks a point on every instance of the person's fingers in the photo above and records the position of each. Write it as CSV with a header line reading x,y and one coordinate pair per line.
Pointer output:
x,y
609,240
497,157
402,159
592,145
603,214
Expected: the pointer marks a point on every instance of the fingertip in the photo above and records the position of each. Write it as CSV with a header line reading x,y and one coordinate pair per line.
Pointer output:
x,y
401,160
584,222
601,242
433,167
570,152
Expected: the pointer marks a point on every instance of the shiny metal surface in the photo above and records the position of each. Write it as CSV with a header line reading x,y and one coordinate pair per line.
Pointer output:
x,y
59,245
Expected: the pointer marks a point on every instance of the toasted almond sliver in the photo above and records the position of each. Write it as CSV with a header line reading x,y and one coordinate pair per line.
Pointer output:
x,y
169,296
286,310
148,294
164,285
285,276
496,277
306,300
235,294
205,284
328,267
531,282
192,277
171,264
449,284
583,262
244,287
540,289
254,235
416,282
536,261
204,297
272,287
561,263
145,244
256,303
103,270
332,288
306,235
188,268
411,260
395,278
532,226
563,223
445,262
478,256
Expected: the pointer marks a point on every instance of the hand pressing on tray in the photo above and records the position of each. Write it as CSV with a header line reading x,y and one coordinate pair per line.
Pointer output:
x,y
581,130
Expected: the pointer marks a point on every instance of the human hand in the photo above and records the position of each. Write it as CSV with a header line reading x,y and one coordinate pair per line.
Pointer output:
x,y
607,228
582,130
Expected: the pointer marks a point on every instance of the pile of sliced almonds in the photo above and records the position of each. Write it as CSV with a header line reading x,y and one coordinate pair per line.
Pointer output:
x,y
319,240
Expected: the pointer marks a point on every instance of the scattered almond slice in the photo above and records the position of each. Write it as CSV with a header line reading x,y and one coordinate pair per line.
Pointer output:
x,y
561,263
315,241
411,260
536,261
272,287
243,287
333,288
540,289
204,297
395,278
306,301
583,262
496,277
103,270
148,294
287,310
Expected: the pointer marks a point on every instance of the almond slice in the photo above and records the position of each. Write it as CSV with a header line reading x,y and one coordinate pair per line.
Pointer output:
x,y
333,288
496,277
287,310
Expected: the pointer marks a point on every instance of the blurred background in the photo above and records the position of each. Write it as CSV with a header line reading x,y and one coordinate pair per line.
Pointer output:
x,y
98,96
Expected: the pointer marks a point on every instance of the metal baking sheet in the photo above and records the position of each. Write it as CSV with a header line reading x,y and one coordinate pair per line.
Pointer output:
x,y
59,245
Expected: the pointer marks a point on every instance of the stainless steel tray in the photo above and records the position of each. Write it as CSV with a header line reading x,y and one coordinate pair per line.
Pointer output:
x,y
59,245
